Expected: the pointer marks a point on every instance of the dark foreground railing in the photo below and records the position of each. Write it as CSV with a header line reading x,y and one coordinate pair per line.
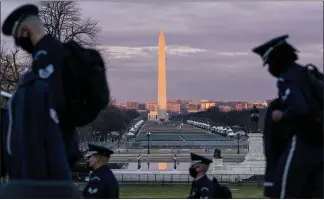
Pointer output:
x,y
178,179
39,190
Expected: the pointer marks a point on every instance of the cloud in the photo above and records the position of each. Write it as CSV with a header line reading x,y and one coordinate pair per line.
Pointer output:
x,y
124,52
209,44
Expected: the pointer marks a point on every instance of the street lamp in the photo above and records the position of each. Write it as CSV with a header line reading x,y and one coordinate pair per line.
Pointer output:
x,y
175,162
148,134
139,162
238,138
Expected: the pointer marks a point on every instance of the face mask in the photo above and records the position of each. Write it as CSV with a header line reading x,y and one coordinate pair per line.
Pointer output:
x,y
25,43
88,163
193,173
274,71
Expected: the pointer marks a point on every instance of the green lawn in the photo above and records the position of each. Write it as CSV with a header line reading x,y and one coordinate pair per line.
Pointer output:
x,y
181,192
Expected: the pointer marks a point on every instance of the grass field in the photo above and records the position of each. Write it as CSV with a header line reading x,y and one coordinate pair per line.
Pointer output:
x,y
181,192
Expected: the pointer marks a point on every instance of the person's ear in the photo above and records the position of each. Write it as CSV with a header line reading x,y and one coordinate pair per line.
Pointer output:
x,y
97,158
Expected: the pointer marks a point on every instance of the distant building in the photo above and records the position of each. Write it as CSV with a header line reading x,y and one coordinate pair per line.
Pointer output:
x,y
141,106
206,104
131,105
241,106
261,105
153,116
173,106
192,107
120,105
151,106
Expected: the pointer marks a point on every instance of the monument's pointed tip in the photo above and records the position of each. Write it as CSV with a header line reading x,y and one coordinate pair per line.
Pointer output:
x,y
161,32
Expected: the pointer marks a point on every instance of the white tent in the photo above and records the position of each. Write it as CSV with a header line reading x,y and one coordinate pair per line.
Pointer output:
x,y
231,134
241,132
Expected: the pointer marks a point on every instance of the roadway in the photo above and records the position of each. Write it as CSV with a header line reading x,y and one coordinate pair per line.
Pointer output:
x,y
171,127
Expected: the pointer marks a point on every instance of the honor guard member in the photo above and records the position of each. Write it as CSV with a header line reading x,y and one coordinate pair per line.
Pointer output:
x,y
34,140
275,139
299,170
102,182
202,186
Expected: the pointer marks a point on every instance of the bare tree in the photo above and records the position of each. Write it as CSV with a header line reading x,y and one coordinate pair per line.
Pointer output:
x,y
12,67
64,21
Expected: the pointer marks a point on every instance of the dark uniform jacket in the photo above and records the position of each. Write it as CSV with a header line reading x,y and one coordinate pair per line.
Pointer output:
x,y
295,107
276,136
34,140
3,131
102,185
201,188
293,162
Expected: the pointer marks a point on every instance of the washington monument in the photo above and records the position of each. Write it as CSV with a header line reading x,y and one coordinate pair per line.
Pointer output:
x,y
162,98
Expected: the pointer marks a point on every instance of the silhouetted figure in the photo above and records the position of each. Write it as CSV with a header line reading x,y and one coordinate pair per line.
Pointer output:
x,y
175,162
298,170
139,162
254,118
217,153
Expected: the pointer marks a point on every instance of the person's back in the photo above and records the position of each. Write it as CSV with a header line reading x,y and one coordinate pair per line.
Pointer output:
x,y
301,120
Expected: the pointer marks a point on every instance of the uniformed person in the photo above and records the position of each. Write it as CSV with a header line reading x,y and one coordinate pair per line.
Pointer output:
x,y
299,170
34,140
102,182
202,186
276,136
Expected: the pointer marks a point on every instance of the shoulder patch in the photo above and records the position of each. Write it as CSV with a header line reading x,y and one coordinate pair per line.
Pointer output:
x,y
285,96
46,72
95,178
92,191
39,53
204,188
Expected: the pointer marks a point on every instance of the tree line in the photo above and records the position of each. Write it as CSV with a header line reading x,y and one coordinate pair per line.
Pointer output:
x,y
113,119
231,118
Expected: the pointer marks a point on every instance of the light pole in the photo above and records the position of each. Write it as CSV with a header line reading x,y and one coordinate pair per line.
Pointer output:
x,y
175,162
238,137
205,141
148,134
139,162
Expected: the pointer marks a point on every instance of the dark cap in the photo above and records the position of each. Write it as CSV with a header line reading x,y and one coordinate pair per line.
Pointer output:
x,y
18,16
197,159
95,149
265,49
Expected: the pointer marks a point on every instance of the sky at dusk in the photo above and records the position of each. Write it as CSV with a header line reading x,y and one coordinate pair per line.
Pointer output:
x,y
208,45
